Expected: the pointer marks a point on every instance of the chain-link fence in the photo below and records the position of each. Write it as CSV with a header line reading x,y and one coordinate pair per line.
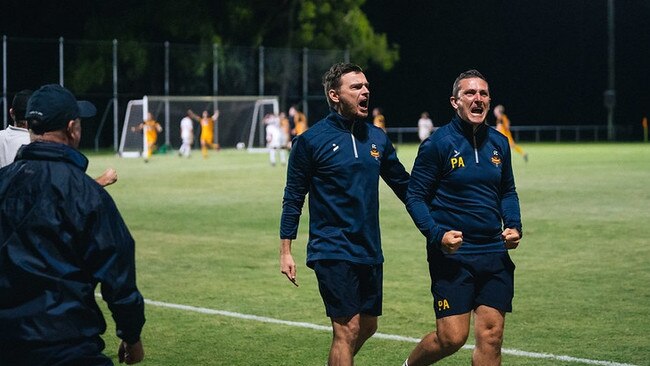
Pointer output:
x,y
110,73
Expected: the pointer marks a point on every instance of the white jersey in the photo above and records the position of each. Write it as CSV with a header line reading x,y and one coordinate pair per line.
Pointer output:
x,y
425,127
11,139
187,128
273,136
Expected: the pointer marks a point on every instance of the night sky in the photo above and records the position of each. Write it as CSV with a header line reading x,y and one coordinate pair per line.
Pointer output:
x,y
545,60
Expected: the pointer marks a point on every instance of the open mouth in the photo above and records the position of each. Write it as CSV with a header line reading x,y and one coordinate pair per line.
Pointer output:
x,y
477,110
363,103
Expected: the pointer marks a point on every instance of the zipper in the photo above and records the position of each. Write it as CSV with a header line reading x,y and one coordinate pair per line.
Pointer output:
x,y
354,144
475,149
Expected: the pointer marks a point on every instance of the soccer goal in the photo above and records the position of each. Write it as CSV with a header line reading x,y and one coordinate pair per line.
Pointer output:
x,y
240,120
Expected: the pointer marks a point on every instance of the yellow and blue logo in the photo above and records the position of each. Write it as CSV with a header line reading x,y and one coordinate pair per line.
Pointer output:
x,y
496,159
374,152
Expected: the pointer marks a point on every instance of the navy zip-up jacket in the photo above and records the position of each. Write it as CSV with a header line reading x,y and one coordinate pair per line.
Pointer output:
x,y
60,235
462,180
339,162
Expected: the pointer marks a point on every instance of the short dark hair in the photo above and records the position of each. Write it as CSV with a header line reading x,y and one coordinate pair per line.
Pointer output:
x,y
465,75
332,78
19,104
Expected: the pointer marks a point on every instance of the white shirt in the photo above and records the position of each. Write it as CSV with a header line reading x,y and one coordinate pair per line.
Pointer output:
x,y
425,127
187,129
273,136
11,139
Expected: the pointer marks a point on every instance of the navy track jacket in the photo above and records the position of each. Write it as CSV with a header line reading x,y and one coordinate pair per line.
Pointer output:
x,y
462,180
61,234
339,162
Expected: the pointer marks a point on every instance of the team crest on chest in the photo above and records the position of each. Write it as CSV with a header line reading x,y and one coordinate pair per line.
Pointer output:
x,y
496,159
374,152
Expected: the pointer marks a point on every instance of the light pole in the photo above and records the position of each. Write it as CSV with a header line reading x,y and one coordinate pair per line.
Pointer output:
x,y
610,93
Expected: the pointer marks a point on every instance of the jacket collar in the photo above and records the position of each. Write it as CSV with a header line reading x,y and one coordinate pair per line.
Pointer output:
x,y
342,123
52,151
467,129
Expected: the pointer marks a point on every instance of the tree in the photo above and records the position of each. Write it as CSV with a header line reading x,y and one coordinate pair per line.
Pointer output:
x,y
293,24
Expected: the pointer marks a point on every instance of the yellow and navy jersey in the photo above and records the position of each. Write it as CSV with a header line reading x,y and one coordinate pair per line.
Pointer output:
x,y
339,162
150,129
379,121
462,180
207,127
300,121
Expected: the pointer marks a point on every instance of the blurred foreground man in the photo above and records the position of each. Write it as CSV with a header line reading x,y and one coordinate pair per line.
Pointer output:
x,y
60,235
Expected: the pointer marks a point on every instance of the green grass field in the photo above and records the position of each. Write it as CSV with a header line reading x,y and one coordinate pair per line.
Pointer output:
x,y
207,236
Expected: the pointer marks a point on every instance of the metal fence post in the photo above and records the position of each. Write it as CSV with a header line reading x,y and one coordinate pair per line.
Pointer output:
x,y
4,82
305,84
167,141
61,62
215,69
260,70
115,94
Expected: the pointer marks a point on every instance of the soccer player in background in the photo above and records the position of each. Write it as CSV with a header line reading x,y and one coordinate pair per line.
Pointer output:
x,y
378,119
274,139
61,235
187,137
503,126
16,134
299,121
207,123
462,197
285,128
425,126
338,162
150,127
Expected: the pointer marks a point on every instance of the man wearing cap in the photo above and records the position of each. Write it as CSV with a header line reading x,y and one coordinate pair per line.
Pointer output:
x,y
60,235
16,135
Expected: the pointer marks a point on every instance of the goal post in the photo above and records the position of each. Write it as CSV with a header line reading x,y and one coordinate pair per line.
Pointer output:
x,y
240,120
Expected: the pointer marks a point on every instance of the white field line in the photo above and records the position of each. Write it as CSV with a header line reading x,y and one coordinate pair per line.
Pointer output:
x,y
393,337
376,335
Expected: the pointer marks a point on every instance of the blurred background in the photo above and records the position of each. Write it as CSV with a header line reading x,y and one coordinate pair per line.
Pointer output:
x,y
575,70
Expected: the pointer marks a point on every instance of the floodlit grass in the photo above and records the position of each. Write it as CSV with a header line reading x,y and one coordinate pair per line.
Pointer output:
x,y
207,236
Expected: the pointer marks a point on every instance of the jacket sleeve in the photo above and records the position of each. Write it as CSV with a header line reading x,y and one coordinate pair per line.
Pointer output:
x,y
510,211
421,189
393,172
297,187
110,257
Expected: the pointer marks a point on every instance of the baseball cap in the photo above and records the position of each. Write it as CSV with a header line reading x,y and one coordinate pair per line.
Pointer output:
x,y
19,104
51,107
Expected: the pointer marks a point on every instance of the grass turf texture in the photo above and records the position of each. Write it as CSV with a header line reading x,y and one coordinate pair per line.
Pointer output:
x,y
207,236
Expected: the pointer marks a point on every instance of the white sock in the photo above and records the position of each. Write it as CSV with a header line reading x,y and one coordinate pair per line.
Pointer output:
x,y
406,363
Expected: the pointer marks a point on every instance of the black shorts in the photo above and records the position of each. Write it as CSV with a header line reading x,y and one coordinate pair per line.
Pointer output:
x,y
349,288
462,282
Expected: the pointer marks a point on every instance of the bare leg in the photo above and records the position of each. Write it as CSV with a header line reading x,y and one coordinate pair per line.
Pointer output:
x,y
349,335
450,335
488,328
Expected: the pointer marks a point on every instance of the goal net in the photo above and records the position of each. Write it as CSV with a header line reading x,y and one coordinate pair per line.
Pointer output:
x,y
240,121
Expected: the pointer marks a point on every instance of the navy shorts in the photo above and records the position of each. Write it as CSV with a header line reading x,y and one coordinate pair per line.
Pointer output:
x,y
462,282
349,288
86,352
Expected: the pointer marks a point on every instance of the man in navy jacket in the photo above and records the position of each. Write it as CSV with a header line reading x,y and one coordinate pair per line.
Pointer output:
x,y
338,162
462,197
60,235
